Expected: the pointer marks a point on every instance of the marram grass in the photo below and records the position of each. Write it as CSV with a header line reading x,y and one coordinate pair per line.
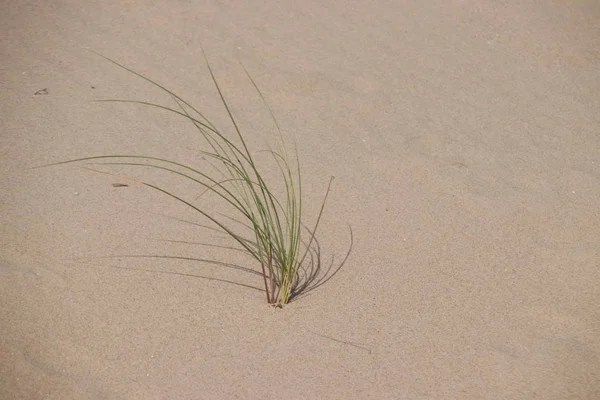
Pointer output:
x,y
267,225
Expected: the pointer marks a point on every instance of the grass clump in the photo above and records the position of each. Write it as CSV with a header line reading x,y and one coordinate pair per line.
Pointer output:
x,y
267,225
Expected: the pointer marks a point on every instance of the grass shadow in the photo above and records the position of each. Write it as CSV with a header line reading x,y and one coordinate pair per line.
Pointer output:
x,y
309,276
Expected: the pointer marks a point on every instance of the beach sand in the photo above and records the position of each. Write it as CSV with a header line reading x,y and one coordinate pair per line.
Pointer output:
x,y
464,141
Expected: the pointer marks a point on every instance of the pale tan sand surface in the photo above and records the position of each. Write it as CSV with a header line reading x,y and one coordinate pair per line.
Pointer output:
x,y
464,141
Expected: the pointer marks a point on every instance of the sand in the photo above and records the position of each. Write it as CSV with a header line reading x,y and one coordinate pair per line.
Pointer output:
x,y
464,141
